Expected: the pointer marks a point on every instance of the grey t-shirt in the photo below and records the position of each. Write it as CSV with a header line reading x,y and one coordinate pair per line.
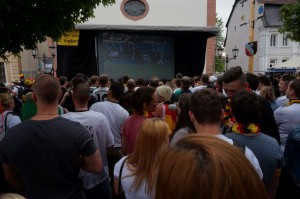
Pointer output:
x,y
266,149
46,154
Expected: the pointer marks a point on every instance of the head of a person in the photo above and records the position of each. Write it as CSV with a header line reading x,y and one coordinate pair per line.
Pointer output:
x,y
263,81
117,90
11,196
179,75
28,97
252,80
7,101
21,77
186,83
131,84
94,80
140,82
153,136
284,82
164,93
219,84
177,82
171,84
206,107
154,82
267,92
293,91
233,80
125,78
81,89
213,79
63,80
144,99
245,107
183,107
103,80
204,79
196,81
46,89
28,82
203,166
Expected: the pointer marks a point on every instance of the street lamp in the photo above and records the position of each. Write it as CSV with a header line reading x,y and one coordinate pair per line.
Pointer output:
x,y
235,53
44,58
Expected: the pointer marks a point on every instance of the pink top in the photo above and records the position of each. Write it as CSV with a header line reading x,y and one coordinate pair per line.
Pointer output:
x,y
130,130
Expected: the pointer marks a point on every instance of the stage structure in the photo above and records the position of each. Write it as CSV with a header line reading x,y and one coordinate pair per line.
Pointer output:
x,y
140,39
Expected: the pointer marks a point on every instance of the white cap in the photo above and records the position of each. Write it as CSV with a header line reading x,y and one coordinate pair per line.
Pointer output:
x,y
213,78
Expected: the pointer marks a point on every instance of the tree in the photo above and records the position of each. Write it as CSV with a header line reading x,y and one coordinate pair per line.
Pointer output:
x,y
24,23
219,63
290,15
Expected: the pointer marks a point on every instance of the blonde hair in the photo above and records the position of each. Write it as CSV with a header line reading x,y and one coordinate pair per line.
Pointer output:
x,y
267,92
204,166
152,136
165,91
6,99
28,97
11,196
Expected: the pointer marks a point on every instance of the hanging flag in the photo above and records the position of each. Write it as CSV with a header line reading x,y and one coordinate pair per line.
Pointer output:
x,y
251,48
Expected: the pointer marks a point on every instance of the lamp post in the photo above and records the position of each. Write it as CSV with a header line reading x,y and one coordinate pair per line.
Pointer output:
x,y
227,59
44,58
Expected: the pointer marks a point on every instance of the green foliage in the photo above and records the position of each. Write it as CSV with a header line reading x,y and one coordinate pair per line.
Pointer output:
x,y
290,15
24,23
219,63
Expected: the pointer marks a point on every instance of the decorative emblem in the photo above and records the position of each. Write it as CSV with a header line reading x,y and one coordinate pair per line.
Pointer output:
x,y
251,48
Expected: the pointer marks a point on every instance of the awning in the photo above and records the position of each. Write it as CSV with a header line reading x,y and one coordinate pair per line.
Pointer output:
x,y
210,29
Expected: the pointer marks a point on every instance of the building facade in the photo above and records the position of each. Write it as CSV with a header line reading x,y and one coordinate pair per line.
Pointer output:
x,y
9,68
272,47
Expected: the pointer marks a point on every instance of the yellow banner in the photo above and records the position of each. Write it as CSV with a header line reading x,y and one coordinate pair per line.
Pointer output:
x,y
69,39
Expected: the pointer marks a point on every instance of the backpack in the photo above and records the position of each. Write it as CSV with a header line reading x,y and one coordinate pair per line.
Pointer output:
x,y
20,91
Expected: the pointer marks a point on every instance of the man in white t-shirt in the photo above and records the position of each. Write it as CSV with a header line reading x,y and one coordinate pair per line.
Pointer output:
x,y
100,93
95,185
116,116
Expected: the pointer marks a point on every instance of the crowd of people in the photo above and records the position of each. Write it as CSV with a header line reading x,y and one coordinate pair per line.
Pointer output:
x,y
230,136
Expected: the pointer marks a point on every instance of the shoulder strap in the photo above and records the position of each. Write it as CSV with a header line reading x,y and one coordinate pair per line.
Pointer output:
x,y
239,145
164,111
120,174
5,120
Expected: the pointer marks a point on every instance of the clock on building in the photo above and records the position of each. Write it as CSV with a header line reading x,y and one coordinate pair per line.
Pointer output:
x,y
134,9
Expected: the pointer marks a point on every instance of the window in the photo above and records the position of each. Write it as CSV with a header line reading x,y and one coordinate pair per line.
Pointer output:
x,y
285,40
2,72
273,62
273,40
285,59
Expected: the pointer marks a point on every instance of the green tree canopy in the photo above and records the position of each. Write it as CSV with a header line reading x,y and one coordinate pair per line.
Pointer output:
x,y
24,23
219,63
290,15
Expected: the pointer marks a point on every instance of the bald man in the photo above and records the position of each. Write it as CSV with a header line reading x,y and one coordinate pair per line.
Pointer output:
x,y
42,156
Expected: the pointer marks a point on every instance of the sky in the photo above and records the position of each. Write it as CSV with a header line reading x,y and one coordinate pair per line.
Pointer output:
x,y
223,10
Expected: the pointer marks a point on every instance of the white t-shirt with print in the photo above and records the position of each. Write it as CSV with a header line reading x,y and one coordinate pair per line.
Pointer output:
x,y
97,125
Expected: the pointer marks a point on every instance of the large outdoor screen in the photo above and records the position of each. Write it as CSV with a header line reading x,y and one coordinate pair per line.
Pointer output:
x,y
136,55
